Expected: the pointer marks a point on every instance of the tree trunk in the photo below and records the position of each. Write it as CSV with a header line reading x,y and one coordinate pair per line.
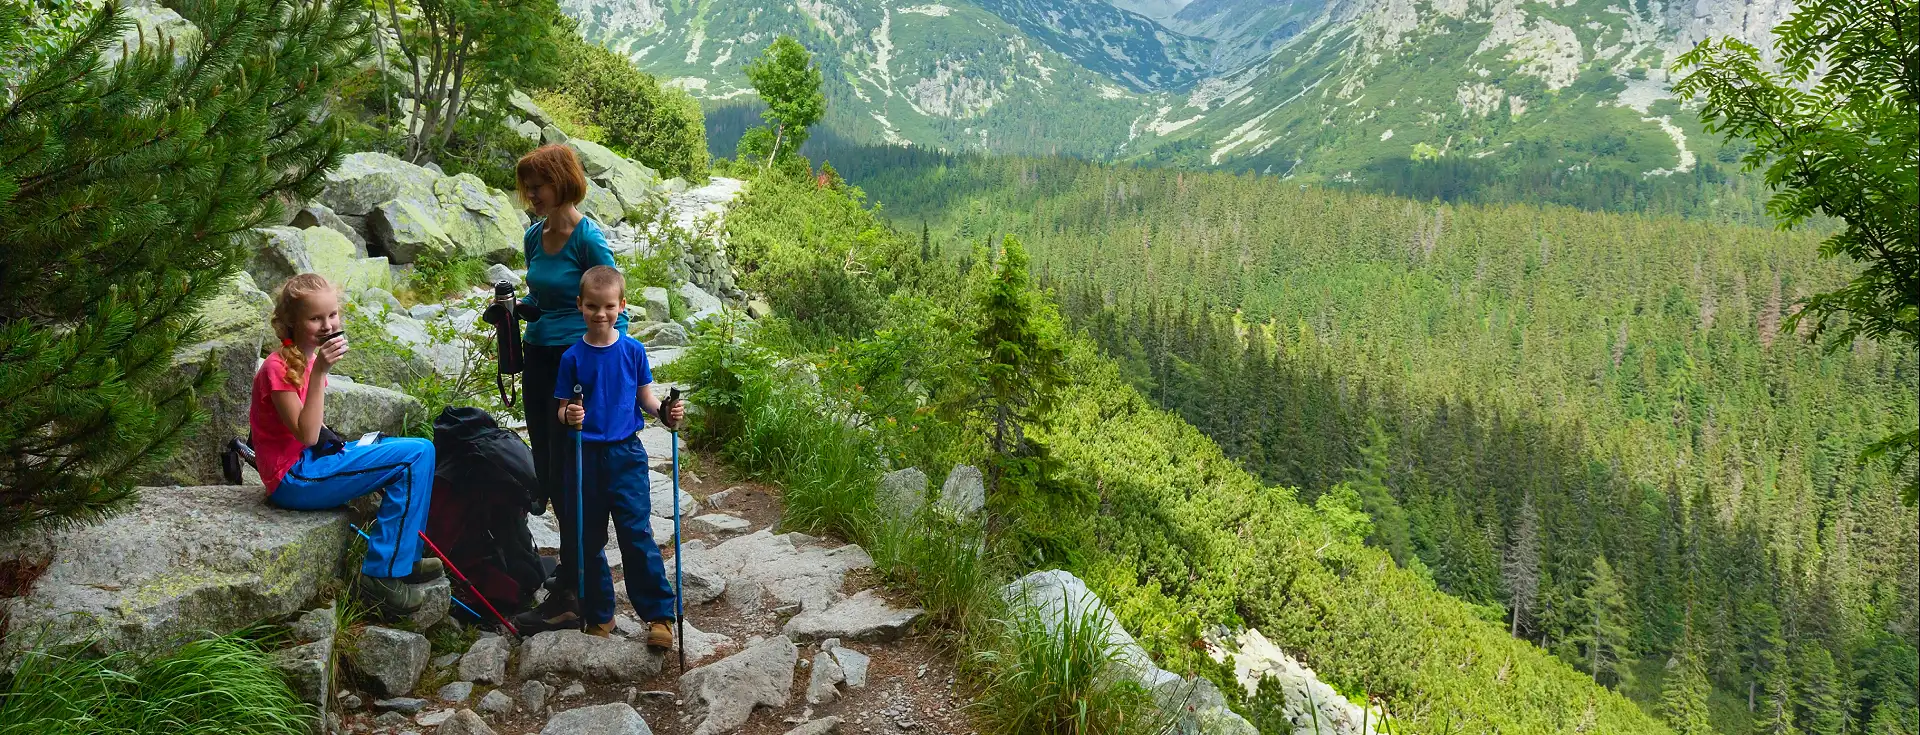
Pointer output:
x,y
779,134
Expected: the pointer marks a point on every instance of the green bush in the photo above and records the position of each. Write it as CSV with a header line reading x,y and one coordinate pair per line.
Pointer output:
x,y
656,125
217,686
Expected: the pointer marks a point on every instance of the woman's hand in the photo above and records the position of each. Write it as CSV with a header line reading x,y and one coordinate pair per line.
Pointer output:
x,y
330,352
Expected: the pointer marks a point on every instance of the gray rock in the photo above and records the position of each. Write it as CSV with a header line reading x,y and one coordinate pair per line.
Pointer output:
x,y
903,492
403,705
533,696
965,491
364,180
704,585
350,702
486,661
235,355
1200,709
759,309
604,719
660,357
455,692
719,500
660,492
464,722
528,130
445,660
434,718
674,185
659,442
500,272
283,252
720,523
439,599
1309,704
821,726
700,304
853,665
434,167
631,182
308,670
822,679
863,617
180,561
390,660
496,702
424,312
524,105
154,24
575,653
575,689
602,205
721,696
316,214
654,298
379,298
762,563
405,230
660,334
545,530
356,408
701,645
391,720
550,135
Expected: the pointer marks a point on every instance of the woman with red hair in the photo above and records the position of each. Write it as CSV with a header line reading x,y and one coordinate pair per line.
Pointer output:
x,y
561,245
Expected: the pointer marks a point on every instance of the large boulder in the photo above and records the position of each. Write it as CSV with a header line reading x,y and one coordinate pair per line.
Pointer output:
x,y
197,460
965,491
483,222
701,305
654,298
308,670
1048,598
524,105
721,696
1308,703
390,661
407,230
182,561
316,214
576,654
364,181
486,661
356,408
630,182
903,492
412,210
285,252
602,205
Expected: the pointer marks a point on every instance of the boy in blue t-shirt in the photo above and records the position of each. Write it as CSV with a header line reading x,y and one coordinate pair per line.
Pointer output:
x,y
610,370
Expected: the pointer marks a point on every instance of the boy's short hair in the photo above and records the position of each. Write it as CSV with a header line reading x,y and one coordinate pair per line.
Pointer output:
x,y
553,164
603,276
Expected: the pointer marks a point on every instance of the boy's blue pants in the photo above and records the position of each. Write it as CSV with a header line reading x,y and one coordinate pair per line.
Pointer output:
x,y
401,467
616,485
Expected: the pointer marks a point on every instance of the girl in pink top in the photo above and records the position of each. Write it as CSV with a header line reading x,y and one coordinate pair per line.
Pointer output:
x,y
302,472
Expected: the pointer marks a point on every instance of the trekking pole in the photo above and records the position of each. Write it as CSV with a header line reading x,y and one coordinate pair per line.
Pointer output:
x,y
469,583
580,513
679,607
456,600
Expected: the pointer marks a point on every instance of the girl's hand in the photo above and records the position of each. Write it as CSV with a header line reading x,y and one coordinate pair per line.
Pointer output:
x,y
573,414
330,352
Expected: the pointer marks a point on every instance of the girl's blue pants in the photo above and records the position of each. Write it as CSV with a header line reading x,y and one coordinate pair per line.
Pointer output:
x,y
401,468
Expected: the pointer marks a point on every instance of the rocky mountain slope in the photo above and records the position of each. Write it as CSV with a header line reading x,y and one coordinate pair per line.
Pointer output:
x,y
1325,89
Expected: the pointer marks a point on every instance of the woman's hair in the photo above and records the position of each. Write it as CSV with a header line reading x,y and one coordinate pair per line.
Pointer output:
x,y
556,165
286,312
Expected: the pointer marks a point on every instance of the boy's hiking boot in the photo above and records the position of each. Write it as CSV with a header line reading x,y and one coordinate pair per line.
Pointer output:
x,y
426,570
393,595
558,612
659,635
602,630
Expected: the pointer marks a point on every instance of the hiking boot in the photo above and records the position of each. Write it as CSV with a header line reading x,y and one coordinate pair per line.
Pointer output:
x,y
602,630
558,612
392,594
426,570
659,635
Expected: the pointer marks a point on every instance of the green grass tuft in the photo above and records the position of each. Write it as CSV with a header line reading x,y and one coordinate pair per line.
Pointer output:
x,y
225,685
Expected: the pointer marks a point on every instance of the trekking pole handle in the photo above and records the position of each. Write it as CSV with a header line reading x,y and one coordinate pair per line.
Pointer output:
x,y
579,398
673,397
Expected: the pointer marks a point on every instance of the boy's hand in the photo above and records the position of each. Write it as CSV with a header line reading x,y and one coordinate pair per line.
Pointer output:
x,y
573,414
676,412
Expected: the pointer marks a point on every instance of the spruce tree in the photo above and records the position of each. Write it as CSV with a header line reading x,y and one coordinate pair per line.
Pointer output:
x,y
1608,636
1022,366
128,193
1683,695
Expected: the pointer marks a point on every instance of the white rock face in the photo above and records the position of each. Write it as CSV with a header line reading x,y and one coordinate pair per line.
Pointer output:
x,y
721,696
863,617
1311,705
573,653
787,568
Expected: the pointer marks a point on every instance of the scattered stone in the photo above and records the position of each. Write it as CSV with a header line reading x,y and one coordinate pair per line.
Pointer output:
x,y
654,300
533,696
826,674
720,523
180,560
464,722
575,689
721,696
627,626
758,309
445,660
500,272
700,645
863,617
314,625
853,664
424,312
402,705
576,653
700,304
658,695
391,660
456,692
350,702
661,492
486,661
965,491
719,500
434,718
604,719
903,491
439,599
821,726
659,334
308,671
391,720
763,563
496,702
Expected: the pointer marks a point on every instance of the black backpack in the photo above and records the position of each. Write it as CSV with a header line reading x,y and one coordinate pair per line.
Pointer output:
x,y
483,485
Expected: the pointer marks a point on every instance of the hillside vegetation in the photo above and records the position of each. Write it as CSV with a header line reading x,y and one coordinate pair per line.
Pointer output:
x,y
1515,394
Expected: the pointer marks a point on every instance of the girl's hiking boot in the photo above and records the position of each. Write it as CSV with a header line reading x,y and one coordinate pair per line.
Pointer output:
x,y
558,612
659,635
393,595
426,570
